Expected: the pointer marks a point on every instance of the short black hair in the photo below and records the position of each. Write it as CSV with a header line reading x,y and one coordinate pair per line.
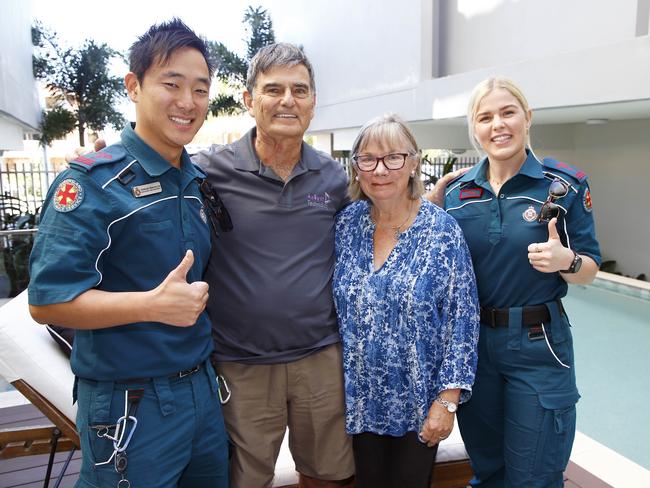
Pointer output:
x,y
160,42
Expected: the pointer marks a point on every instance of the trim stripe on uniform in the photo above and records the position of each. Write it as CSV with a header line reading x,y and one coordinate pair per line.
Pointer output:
x,y
52,331
469,203
119,174
108,232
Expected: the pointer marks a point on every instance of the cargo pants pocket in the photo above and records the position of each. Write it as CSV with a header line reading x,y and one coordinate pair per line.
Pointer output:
x,y
557,431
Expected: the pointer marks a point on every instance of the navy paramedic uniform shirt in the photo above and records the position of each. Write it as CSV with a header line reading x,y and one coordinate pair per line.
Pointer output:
x,y
121,220
491,223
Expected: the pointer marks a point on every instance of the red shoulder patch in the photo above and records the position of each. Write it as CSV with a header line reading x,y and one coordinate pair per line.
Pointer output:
x,y
92,158
467,193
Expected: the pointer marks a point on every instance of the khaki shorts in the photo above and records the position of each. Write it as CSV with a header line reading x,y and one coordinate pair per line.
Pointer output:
x,y
305,395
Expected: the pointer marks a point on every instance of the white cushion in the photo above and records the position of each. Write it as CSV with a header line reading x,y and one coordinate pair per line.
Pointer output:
x,y
285,468
452,448
28,352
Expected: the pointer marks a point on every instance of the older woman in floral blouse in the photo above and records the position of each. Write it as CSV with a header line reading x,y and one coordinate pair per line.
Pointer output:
x,y
406,300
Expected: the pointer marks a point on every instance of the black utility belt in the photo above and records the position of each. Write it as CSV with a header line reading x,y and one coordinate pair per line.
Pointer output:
x,y
535,314
180,374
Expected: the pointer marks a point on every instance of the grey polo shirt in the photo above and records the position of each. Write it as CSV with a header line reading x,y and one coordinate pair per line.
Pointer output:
x,y
270,277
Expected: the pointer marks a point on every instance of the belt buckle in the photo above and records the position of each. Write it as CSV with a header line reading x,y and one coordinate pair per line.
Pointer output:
x,y
188,372
493,318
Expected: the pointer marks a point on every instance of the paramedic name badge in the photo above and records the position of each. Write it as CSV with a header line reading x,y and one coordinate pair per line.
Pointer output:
x,y
146,190
530,214
68,195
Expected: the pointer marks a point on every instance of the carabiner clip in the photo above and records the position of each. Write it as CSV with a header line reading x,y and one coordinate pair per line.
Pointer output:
x,y
222,381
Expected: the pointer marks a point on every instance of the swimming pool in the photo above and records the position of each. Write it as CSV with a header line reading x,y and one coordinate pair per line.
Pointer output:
x,y
611,330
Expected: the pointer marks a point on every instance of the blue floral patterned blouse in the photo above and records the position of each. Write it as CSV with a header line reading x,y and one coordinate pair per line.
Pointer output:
x,y
409,329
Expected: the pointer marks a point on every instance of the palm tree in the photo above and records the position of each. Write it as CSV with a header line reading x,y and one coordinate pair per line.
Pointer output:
x,y
231,68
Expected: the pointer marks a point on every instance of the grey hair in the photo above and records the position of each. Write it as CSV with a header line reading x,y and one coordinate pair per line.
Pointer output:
x,y
274,55
388,130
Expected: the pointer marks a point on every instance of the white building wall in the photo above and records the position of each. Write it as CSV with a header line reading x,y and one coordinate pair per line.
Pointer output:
x,y
421,58
477,34
19,107
358,48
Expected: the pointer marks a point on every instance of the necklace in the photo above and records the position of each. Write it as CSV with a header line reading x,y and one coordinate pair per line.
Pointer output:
x,y
397,230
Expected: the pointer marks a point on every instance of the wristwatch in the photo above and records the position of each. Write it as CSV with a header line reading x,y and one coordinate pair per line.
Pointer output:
x,y
450,406
575,264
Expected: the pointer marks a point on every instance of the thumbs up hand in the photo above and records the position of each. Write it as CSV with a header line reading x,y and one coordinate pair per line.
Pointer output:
x,y
550,256
176,301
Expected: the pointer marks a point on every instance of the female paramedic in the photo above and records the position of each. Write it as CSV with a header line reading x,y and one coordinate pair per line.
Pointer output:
x,y
530,230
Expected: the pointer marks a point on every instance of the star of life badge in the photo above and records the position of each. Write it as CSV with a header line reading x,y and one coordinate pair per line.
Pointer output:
x,y
530,214
586,201
146,190
68,195
204,217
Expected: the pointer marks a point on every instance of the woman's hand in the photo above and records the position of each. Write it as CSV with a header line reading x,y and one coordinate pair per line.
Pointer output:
x,y
550,256
438,425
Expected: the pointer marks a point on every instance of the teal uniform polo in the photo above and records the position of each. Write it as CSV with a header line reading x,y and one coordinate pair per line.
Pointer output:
x,y
122,220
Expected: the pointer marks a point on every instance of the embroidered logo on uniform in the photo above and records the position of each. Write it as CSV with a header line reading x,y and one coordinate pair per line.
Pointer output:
x,y
146,190
204,217
466,193
318,200
68,195
530,214
586,200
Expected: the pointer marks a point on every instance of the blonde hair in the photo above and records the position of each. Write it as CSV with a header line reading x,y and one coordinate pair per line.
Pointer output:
x,y
388,130
480,91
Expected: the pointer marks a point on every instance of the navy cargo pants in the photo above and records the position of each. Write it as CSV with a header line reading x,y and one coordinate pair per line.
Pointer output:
x,y
519,425
179,440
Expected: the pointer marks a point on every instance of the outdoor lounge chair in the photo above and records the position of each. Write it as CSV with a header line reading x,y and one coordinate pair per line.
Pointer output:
x,y
32,362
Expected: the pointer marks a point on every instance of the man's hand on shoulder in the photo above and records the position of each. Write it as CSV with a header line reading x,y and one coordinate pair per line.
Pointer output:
x,y
80,151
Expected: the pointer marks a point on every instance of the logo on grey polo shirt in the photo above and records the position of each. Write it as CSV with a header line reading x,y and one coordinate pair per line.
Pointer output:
x,y
321,200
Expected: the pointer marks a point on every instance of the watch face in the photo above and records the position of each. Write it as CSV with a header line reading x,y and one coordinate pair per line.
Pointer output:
x,y
451,407
577,263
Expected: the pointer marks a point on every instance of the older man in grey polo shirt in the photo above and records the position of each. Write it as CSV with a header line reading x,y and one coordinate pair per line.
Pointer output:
x,y
274,324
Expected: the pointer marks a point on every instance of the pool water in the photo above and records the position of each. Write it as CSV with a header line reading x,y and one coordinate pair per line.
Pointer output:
x,y
611,332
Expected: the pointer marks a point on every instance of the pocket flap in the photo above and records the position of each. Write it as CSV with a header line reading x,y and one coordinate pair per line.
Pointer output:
x,y
558,399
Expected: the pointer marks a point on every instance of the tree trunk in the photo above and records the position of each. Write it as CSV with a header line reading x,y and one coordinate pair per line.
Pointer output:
x,y
82,131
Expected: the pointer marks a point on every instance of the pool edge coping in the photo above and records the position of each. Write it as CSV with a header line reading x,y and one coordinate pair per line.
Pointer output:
x,y
607,465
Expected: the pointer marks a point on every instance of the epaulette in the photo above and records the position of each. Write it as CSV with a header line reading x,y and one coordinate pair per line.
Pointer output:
x,y
455,179
88,162
200,169
565,168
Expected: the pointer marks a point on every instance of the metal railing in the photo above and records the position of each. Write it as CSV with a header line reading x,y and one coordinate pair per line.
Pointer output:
x,y
26,183
15,247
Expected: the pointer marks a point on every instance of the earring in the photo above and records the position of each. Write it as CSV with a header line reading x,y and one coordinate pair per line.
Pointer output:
x,y
356,177
413,174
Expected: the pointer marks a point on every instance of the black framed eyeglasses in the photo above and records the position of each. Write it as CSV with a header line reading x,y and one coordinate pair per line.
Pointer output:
x,y
558,189
216,210
392,161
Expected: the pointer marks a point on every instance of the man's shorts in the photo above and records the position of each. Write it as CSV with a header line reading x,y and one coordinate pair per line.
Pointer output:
x,y
307,396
